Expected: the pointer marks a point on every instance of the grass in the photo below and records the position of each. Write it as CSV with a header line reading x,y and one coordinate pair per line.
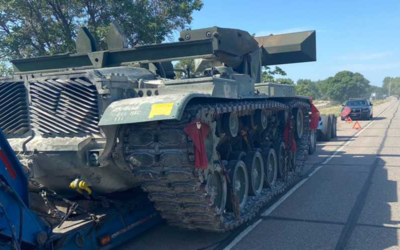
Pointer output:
x,y
336,109
331,110
377,102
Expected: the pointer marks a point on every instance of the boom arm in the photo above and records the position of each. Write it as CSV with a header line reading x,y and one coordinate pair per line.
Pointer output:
x,y
288,48
235,48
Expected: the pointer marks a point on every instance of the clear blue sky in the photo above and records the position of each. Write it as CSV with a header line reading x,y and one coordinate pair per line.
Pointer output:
x,y
357,35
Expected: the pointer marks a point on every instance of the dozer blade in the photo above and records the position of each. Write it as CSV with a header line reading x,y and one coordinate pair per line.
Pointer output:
x,y
288,48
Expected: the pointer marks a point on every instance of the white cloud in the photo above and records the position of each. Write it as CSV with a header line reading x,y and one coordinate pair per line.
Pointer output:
x,y
365,56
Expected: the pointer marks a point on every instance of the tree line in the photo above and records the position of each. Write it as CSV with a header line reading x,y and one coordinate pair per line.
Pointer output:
x,y
339,88
45,27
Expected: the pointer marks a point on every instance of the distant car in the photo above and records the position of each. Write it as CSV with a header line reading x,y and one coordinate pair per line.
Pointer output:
x,y
360,109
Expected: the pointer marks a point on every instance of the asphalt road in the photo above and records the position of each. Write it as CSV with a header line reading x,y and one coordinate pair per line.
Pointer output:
x,y
348,199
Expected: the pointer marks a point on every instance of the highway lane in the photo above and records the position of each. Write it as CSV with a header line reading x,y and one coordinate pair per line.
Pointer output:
x,y
349,201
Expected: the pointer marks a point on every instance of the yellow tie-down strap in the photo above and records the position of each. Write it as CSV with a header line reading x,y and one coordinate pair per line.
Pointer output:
x,y
161,109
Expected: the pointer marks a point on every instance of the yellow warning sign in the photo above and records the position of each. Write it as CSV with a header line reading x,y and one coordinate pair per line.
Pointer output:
x,y
161,109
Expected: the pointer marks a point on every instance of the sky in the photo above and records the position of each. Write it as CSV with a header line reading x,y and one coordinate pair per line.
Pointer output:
x,y
357,35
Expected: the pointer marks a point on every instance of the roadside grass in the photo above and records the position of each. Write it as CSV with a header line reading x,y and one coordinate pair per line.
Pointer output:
x,y
337,108
377,102
331,110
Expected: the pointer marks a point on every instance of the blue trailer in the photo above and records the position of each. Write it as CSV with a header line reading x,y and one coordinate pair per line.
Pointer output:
x,y
90,223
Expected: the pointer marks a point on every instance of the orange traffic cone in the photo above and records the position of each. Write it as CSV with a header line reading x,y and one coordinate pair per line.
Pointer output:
x,y
357,126
349,120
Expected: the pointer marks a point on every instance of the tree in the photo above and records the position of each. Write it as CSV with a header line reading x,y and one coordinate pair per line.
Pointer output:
x,y
345,85
323,87
379,92
44,27
306,87
392,83
183,66
5,69
287,81
268,74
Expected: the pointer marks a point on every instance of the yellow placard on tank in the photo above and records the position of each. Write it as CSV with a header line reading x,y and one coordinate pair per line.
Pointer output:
x,y
161,109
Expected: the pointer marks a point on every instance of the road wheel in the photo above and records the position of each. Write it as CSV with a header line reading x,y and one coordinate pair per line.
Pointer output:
x,y
299,128
261,119
282,159
255,168
333,126
271,168
217,190
230,124
239,184
313,142
326,128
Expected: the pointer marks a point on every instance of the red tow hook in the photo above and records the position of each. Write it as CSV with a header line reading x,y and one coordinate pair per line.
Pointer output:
x,y
314,117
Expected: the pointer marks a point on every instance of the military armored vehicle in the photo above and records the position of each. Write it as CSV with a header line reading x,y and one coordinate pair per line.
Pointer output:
x,y
210,147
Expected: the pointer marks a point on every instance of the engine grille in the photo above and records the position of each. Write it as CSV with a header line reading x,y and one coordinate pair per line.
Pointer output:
x,y
64,107
13,108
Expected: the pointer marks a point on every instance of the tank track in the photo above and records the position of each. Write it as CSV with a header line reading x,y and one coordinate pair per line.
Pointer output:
x,y
162,156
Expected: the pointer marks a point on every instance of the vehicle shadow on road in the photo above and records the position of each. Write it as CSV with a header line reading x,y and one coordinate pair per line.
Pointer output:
x,y
379,118
378,226
374,220
166,237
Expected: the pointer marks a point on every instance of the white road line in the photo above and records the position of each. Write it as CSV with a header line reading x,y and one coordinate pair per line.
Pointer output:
x,y
283,198
315,170
242,235
347,143
351,140
291,191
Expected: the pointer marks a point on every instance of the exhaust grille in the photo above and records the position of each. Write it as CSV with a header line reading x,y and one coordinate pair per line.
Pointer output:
x,y
13,108
64,107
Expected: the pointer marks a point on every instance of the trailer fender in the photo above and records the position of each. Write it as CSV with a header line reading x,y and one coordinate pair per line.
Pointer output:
x,y
314,117
145,109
